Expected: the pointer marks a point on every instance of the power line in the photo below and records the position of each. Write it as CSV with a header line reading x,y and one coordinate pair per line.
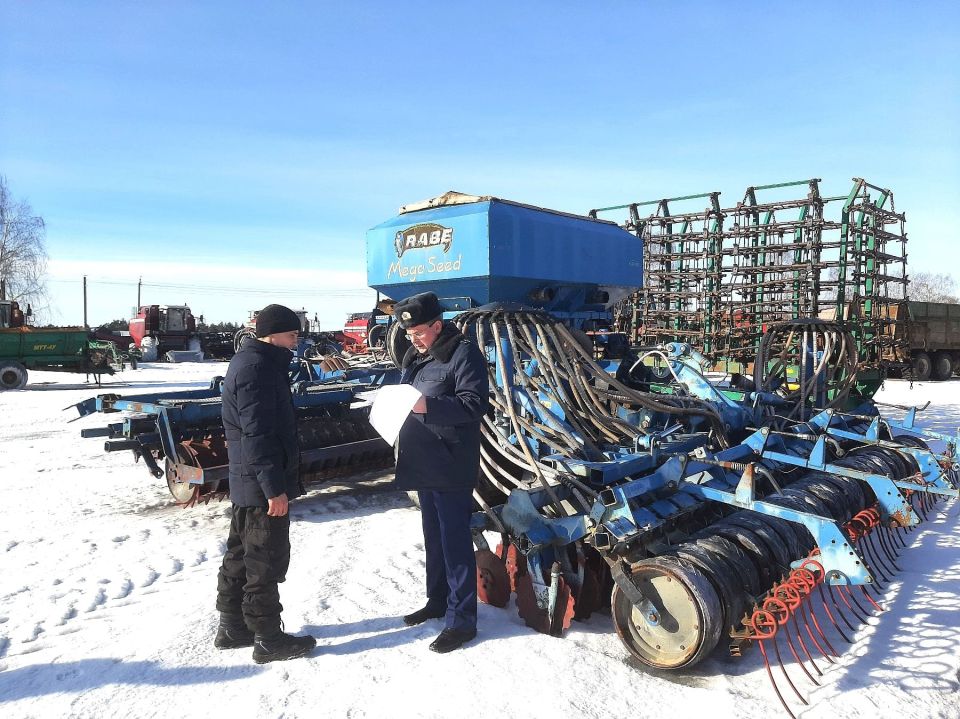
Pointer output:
x,y
220,289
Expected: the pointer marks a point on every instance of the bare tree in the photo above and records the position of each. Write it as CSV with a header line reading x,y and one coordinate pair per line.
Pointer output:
x,y
932,287
23,256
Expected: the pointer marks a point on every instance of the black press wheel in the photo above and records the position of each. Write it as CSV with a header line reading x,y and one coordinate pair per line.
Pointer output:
x,y
13,375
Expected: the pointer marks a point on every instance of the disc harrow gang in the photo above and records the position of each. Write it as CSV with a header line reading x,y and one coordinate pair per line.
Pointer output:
x,y
179,435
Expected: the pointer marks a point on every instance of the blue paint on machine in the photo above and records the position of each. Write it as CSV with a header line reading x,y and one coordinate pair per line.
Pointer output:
x,y
475,250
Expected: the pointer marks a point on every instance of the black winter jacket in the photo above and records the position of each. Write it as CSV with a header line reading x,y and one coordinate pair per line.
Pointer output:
x,y
440,450
260,425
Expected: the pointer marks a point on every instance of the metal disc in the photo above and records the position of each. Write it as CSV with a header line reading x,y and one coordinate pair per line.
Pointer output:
x,y
493,582
183,493
590,596
538,617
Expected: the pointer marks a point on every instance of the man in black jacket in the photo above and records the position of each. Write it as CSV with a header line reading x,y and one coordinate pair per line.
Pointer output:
x,y
261,432
438,454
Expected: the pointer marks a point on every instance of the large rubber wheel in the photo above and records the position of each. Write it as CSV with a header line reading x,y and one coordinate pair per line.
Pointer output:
x,y
680,621
148,349
922,367
13,375
397,343
942,366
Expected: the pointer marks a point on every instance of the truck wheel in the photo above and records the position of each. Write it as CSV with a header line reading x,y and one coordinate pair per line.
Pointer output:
x,y
13,375
942,366
921,367
148,349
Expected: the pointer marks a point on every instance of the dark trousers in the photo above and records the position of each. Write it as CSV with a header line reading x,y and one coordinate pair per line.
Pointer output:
x,y
256,561
451,564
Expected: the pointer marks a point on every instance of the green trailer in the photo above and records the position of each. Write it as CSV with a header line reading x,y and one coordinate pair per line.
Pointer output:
x,y
63,349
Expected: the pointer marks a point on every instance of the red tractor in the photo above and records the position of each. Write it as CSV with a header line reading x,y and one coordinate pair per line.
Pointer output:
x,y
158,329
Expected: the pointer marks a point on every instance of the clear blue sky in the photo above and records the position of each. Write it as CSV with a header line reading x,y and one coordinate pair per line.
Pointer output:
x,y
239,144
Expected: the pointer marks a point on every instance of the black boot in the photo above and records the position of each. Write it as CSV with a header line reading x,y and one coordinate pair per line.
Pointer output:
x,y
422,615
279,647
232,633
451,639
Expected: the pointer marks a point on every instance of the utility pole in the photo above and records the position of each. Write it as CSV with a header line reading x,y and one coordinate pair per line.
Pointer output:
x,y
85,325
139,282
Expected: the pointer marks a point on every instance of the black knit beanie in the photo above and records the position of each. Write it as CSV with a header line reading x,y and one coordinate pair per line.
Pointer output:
x,y
274,319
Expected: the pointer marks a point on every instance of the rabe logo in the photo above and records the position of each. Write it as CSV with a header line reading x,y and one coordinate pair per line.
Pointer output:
x,y
427,234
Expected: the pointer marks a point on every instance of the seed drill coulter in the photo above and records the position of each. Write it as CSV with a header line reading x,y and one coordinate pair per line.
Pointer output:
x,y
766,506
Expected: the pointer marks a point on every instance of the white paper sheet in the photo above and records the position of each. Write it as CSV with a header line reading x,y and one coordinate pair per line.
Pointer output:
x,y
391,407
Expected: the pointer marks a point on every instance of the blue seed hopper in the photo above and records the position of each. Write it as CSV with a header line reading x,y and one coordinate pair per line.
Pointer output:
x,y
472,251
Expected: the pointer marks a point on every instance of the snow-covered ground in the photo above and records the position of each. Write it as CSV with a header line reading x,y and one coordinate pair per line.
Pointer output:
x,y
107,593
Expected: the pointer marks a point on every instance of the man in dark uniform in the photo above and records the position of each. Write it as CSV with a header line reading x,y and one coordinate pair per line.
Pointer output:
x,y
261,432
438,454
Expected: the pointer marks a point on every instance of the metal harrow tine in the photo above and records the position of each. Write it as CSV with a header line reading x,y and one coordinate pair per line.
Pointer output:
x,y
844,591
836,605
804,581
819,574
789,596
764,626
808,610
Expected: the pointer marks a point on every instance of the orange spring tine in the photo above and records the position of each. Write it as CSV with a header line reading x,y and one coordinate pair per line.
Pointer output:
x,y
847,596
773,682
776,649
885,540
833,620
796,627
880,554
870,599
805,581
874,565
785,595
836,605
808,615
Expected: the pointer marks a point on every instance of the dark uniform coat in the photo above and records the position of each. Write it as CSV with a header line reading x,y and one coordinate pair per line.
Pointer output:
x,y
260,425
440,450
